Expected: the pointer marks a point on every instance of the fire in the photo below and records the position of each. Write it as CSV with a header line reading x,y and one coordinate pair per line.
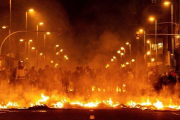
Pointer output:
x,y
158,105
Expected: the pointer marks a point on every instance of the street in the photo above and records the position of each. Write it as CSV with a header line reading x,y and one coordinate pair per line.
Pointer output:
x,y
87,114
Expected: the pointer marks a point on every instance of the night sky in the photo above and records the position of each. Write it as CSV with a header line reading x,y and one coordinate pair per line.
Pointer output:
x,y
91,30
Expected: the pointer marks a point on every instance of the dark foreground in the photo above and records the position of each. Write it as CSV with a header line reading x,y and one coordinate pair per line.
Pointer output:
x,y
86,114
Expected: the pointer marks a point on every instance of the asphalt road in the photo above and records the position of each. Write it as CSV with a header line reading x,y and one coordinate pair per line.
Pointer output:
x,y
88,114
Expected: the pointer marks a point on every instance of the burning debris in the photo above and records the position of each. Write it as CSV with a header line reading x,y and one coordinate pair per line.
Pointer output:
x,y
85,89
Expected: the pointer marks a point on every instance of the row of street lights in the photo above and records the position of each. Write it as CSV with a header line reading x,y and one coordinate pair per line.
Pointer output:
x,y
153,19
122,52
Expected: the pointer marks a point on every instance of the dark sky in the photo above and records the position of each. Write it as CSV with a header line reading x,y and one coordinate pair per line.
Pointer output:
x,y
90,28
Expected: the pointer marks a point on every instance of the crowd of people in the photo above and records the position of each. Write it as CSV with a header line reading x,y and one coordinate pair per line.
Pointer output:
x,y
87,79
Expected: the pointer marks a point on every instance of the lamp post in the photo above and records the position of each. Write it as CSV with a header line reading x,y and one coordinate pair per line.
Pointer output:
x,y
10,21
155,39
167,3
30,10
144,37
47,33
37,42
127,43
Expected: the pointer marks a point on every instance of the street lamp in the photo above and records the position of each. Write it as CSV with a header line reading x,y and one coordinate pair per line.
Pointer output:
x,y
127,43
30,10
121,56
4,27
47,33
37,27
144,37
152,19
149,42
61,50
167,3
56,46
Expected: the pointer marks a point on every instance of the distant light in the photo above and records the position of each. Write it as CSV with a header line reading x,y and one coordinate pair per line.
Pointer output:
x,y
41,54
123,65
21,40
112,60
30,40
151,18
57,53
118,51
148,41
141,30
56,65
52,61
167,3
148,53
41,23
61,50
4,27
107,65
127,43
26,58
48,33
133,60
127,63
114,57
65,56
152,59
33,48
57,45
31,10
177,36
122,53
122,48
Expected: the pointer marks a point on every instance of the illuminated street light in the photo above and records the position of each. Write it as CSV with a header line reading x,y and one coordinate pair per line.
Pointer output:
x,y
57,45
40,54
30,40
177,36
148,53
148,41
31,10
33,48
152,59
122,48
4,27
21,40
114,57
166,3
57,53
65,56
141,30
122,54
61,50
52,61
151,18
27,58
127,63
133,60
123,65
119,51
48,33
112,60
107,66
127,43
41,23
